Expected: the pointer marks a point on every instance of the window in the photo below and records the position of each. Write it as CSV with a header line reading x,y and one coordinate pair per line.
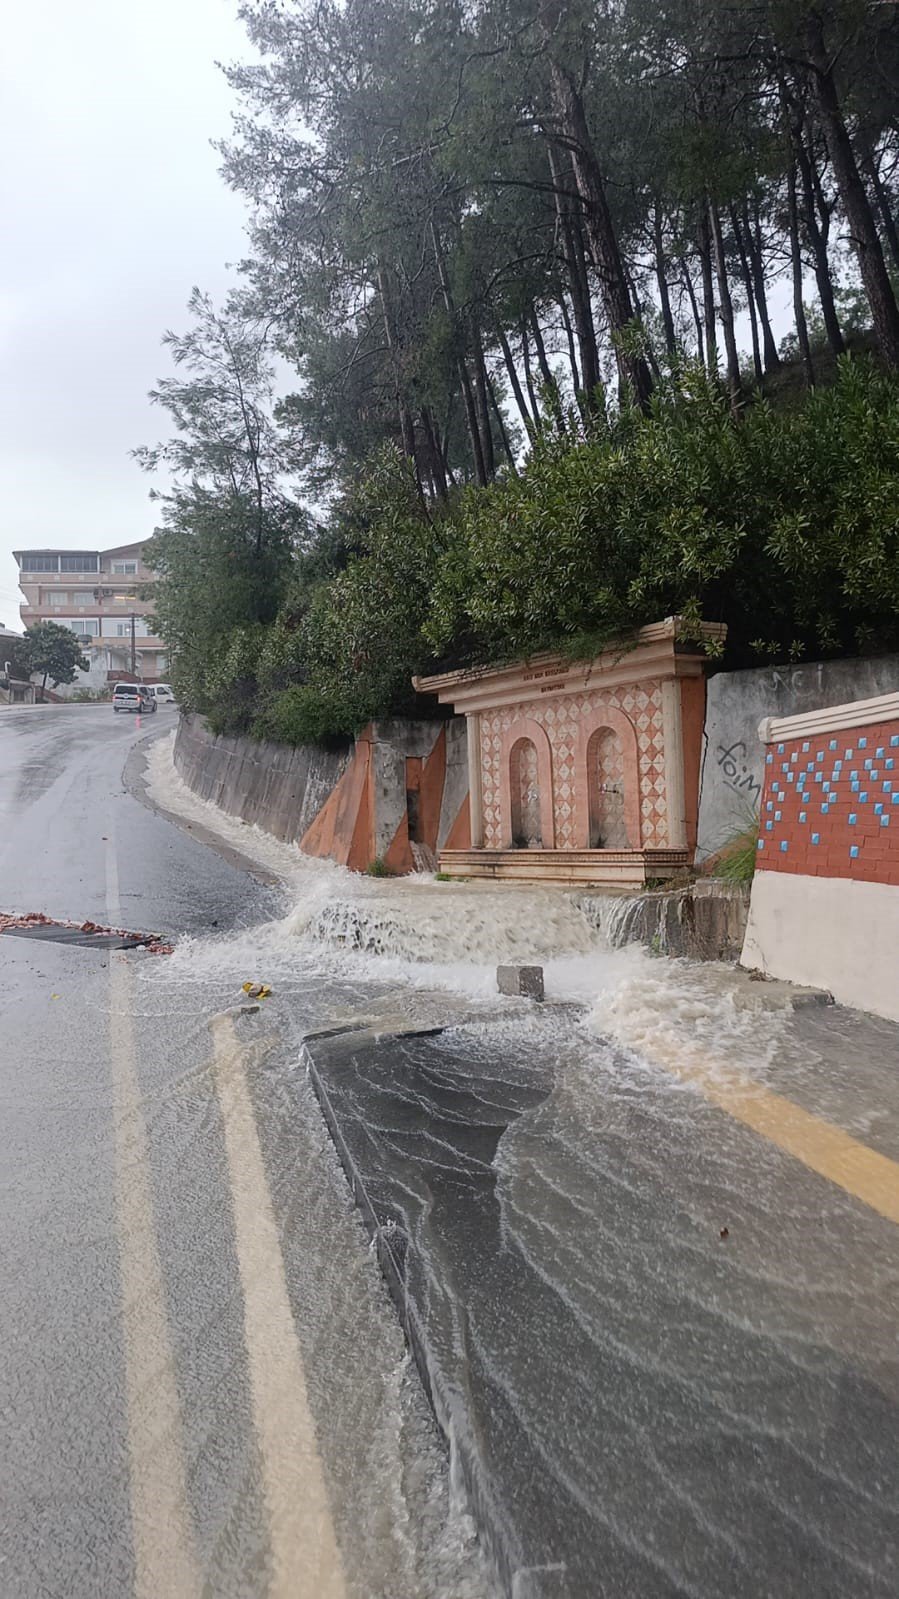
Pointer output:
x,y
40,563
79,563
58,597
124,568
80,624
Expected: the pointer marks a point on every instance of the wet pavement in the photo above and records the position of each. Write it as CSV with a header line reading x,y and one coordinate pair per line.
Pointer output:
x,y
644,1240
203,1386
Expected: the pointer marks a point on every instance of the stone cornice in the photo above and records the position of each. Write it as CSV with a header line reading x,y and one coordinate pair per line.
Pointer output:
x,y
832,719
653,652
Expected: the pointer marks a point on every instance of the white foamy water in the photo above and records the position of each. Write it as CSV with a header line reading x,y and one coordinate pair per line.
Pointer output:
x,y
416,933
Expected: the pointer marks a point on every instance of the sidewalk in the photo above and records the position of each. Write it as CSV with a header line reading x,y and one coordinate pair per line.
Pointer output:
x,y
663,1346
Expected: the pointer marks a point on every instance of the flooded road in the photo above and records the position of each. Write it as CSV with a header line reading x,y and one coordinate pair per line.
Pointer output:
x,y
203,1388
650,1232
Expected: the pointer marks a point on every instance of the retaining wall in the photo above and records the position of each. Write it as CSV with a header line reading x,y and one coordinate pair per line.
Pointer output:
x,y
736,702
397,793
280,789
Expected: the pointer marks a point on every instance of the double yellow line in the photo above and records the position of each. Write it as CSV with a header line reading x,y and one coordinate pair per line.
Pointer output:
x,y
303,1556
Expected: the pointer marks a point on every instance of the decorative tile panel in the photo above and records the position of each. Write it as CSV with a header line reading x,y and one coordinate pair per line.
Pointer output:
x,y
562,719
830,807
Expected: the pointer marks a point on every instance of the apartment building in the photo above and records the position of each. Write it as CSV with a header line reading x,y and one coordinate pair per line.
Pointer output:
x,y
105,596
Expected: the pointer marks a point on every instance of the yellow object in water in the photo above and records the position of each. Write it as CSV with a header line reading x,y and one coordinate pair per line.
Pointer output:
x,y
256,990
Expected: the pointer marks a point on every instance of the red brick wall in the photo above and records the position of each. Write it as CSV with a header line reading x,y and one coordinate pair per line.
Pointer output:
x,y
830,805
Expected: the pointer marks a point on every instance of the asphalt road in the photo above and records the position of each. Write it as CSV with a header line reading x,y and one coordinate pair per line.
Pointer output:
x,y
203,1386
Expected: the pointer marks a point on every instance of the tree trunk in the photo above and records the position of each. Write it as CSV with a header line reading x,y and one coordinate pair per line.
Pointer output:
x,y
514,382
471,415
407,426
550,384
727,310
528,375
501,424
662,280
817,243
750,297
856,206
600,229
704,249
579,288
483,406
572,352
796,261
869,167
435,454
697,320
753,238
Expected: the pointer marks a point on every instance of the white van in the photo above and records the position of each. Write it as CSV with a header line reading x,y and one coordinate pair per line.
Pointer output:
x,y
163,693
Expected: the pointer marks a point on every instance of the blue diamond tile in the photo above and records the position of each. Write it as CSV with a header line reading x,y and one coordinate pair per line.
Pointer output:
x,y
887,788
875,772
816,838
807,797
894,741
790,776
768,826
777,816
784,846
852,818
863,743
868,765
878,810
769,760
820,755
780,749
853,851
819,777
769,806
854,776
884,821
805,748
826,784
855,787
803,816
894,799
761,843
825,810
888,763
847,755
831,746
863,797
794,756
879,753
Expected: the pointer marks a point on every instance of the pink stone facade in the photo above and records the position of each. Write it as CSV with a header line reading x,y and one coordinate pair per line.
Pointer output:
x,y
562,718
584,771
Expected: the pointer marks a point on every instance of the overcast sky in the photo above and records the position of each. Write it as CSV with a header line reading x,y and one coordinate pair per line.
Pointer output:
x,y
112,209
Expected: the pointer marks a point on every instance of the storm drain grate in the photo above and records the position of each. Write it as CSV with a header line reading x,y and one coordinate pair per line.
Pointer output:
x,y
84,933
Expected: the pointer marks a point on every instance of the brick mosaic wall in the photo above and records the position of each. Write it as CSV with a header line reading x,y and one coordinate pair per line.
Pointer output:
x,y
830,805
561,717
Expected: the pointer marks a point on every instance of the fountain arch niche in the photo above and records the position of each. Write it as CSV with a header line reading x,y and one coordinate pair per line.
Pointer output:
x,y
606,827
618,743
526,787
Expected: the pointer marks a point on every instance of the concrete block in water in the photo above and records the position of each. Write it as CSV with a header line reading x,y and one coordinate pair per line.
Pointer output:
x,y
525,982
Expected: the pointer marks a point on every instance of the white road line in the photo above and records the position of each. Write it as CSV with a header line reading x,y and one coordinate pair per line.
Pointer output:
x,y
164,1553
304,1557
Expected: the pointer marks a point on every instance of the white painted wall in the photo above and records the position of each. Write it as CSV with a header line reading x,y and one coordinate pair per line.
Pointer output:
x,y
828,932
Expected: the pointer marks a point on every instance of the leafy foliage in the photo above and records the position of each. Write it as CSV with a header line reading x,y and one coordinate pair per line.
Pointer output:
x,y
50,650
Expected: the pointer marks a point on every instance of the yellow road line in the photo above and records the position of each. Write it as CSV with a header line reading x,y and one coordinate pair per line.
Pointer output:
x,y
164,1554
821,1146
305,1559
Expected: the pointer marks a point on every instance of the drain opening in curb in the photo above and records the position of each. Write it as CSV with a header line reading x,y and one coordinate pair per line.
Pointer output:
x,y
36,925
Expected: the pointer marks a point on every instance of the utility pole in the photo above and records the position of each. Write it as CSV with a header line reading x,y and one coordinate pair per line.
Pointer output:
x,y
133,649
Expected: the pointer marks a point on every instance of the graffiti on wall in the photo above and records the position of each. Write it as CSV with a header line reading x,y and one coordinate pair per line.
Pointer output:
x,y
733,764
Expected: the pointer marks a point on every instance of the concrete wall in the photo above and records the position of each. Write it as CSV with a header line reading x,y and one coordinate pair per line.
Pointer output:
x,y
351,806
279,788
733,758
